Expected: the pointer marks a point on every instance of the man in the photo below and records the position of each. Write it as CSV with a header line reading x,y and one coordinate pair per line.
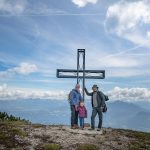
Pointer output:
x,y
98,102
75,98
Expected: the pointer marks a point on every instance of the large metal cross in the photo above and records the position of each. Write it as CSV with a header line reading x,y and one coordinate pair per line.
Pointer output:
x,y
80,73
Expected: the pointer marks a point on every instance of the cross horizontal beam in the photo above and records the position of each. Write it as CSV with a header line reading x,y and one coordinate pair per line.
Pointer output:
x,y
89,74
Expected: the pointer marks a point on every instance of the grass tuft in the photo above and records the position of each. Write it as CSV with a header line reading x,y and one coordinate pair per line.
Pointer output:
x,y
51,146
86,147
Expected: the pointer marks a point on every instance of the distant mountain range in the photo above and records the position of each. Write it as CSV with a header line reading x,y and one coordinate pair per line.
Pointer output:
x,y
120,114
127,115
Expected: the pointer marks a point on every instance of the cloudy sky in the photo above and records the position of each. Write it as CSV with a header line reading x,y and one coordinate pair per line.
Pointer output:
x,y
37,37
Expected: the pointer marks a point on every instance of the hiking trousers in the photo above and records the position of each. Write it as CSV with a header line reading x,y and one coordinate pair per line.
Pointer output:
x,y
95,111
81,122
74,116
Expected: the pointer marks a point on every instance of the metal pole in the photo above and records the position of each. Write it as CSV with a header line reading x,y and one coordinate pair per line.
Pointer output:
x,y
83,73
78,66
81,52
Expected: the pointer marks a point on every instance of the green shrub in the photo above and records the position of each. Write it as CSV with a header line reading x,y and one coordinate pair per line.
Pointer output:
x,y
86,147
8,132
141,142
18,132
5,117
51,146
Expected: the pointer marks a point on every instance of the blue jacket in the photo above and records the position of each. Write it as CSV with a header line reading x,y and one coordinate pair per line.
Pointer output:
x,y
75,97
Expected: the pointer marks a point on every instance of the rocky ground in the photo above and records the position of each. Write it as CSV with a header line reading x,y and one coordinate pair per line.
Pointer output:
x,y
22,136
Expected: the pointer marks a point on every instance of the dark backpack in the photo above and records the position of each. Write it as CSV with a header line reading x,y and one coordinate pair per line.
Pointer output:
x,y
105,106
69,95
106,97
104,109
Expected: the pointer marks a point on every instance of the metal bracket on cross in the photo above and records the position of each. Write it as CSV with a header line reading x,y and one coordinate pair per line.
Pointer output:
x,y
80,73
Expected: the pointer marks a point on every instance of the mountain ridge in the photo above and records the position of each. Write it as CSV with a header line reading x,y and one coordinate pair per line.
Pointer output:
x,y
27,136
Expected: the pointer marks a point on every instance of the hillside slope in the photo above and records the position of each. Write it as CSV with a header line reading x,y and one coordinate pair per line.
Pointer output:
x,y
26,136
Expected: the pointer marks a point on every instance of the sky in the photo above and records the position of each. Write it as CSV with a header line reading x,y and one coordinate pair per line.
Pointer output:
x,y
37,37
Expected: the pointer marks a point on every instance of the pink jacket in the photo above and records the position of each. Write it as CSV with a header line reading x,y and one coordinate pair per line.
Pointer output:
x,y
82,112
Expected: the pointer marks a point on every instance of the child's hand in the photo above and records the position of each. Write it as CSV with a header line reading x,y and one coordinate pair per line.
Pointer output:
x,y
76,107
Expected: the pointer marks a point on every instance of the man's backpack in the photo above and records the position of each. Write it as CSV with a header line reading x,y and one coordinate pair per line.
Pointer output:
x,y
105,106
106,97
104,109
69,96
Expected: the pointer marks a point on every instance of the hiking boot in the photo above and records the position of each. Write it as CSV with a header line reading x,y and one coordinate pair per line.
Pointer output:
x,y
82,128
73,127
99,129
91,129
76,126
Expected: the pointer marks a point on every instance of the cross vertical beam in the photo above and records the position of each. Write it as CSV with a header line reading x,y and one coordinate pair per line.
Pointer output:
x,y
81,68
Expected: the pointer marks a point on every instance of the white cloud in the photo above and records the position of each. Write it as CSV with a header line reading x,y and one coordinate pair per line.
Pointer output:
x,y
130,94
11,93
148,34
22,69
13,7
124,94
25,7
129,20
83,3
3,87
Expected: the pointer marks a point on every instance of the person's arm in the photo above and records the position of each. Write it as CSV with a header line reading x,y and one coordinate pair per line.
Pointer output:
x,y
77,108
85,113
86,91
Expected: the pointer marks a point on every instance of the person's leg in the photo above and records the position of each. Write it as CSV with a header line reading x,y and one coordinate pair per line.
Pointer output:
x,y
100,115
76,117
80,121
83,123
72,115
94,113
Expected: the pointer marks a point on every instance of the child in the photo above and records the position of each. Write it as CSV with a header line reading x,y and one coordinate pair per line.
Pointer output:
x,y
82,114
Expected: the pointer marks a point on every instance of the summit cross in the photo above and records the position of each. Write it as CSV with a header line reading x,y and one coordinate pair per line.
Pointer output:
x,y
80,73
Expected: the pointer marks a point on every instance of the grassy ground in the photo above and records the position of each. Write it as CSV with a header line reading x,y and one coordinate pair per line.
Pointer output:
x,y
22,135
11,136
141,142
86,147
